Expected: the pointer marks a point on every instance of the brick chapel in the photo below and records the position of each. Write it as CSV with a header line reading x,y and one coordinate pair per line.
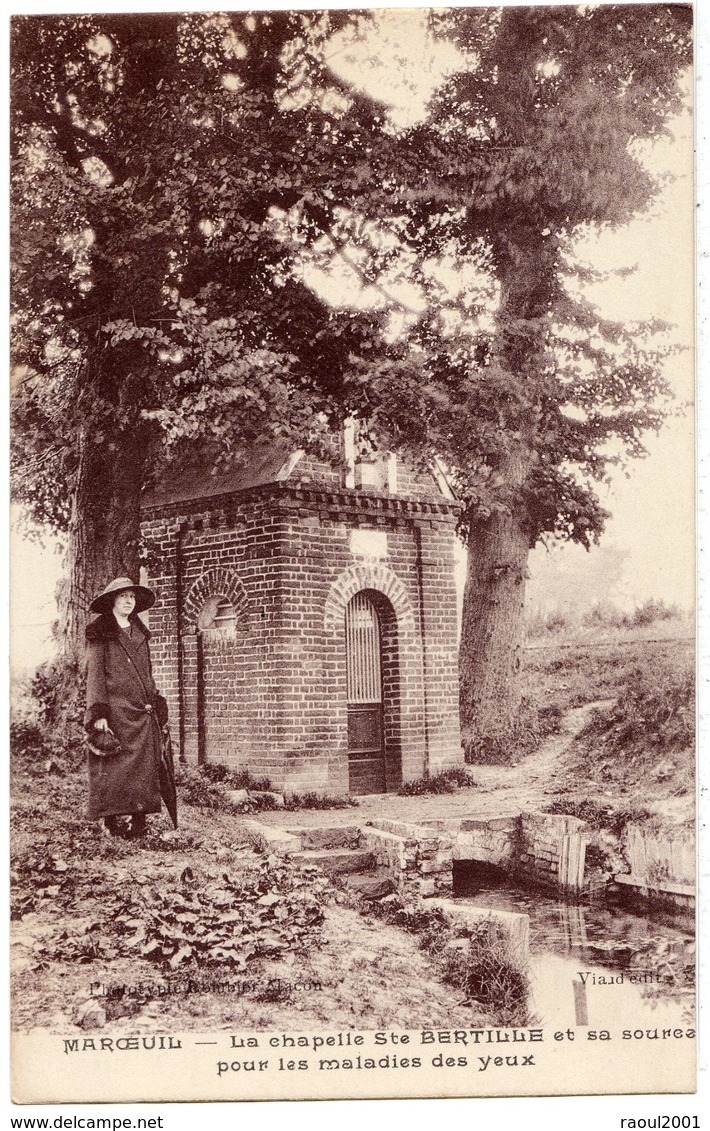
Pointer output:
x,y
305,627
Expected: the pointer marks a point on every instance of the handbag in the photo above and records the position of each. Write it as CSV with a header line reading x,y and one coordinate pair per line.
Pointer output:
x,y
103,743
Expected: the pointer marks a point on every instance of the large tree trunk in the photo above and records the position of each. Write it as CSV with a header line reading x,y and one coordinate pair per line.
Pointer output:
x,y
104,531
492,632
525,263
492,637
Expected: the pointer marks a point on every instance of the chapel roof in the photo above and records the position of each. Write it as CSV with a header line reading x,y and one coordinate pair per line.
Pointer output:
x,y
200,477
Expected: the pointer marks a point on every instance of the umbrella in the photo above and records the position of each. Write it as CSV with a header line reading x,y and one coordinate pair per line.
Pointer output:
x,y
168,791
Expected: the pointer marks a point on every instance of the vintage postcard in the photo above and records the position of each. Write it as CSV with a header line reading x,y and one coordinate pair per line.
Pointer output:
x,y
353,639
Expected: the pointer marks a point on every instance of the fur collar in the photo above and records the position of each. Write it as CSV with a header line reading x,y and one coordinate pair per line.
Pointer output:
x,y
106,627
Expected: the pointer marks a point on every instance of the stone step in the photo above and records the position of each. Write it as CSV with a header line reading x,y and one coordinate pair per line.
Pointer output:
x,y
337,836
278,841
337,860
371,885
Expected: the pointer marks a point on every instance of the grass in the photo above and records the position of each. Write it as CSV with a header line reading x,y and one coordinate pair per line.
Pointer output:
x,y
449,781
634,760
468,958
564,676
482,969
577,658
646,735
656,708
534,722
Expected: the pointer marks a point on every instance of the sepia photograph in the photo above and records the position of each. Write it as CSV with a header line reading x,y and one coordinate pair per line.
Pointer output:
x,y
353,644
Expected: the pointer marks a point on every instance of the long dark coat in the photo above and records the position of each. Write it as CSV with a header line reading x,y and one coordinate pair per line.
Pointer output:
x,y
120,688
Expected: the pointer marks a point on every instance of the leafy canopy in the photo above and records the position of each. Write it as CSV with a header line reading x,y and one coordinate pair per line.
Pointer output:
x,y
184,187
502,368
154,296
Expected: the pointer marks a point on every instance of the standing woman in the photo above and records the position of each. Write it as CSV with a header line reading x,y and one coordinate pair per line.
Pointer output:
x,y
122,697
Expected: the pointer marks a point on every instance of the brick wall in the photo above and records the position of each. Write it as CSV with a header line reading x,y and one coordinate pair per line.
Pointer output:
x,y
411,482
269,693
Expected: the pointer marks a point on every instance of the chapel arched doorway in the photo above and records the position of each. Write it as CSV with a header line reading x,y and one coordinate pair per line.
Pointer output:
x,y
374,763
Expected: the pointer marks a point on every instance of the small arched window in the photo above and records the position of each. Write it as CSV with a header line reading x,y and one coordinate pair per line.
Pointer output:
x,y
217,613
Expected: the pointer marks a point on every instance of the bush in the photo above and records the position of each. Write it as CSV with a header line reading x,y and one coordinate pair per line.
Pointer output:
x,y
28,740
318,801
650,612
206,786
449,781
548,624
46,729
57,690
603,618
531,727
234,779
599,817
196,789
604,615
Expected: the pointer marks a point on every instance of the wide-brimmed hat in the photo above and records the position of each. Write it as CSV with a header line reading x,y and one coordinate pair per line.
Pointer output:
x,y
104,602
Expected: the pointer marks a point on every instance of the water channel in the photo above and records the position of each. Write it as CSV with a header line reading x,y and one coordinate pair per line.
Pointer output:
x,y
629,968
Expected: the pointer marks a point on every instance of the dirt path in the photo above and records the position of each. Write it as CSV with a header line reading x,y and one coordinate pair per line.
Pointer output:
x,y
498,791
530,784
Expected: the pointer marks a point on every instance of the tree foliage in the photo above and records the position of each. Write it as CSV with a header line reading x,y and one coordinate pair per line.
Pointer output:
x,y
155,304
532,142
507,372
150,286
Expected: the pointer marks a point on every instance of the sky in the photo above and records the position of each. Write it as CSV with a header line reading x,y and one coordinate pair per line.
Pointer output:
x,y
651,530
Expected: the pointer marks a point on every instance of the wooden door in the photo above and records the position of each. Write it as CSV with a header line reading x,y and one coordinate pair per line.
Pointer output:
x,y
366,746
